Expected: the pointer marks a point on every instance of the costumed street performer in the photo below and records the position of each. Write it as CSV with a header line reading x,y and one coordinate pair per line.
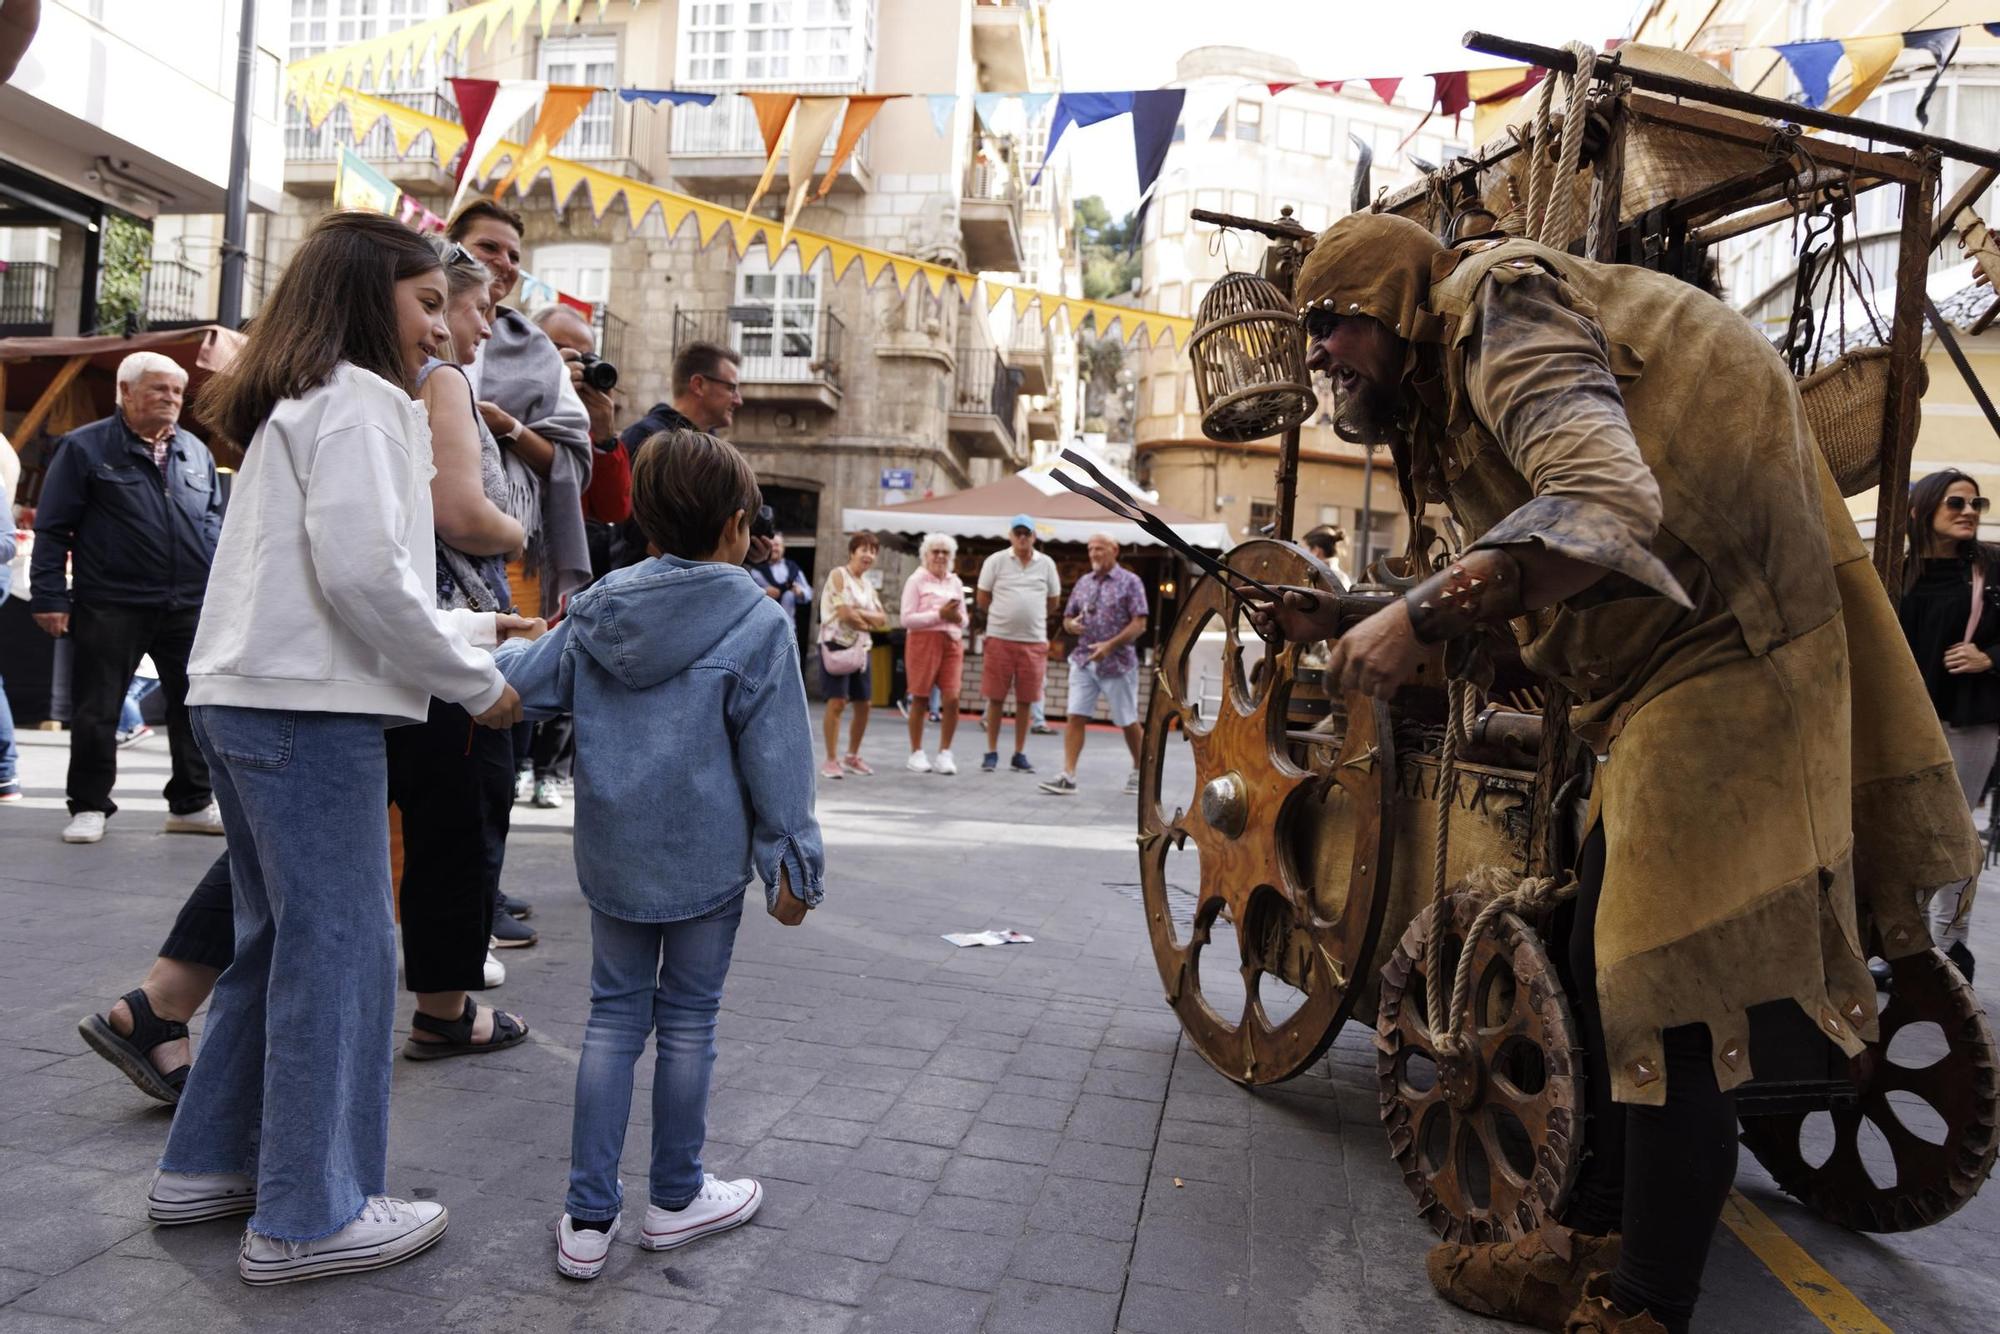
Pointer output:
x,y
1647,507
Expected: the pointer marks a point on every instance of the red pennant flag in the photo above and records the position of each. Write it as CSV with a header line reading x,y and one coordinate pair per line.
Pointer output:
x,y
475,100
1277,88
1385,88
1448,92
577,304
1331,85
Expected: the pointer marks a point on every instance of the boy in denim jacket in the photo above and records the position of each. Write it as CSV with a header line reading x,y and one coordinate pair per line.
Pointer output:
x,y
694,769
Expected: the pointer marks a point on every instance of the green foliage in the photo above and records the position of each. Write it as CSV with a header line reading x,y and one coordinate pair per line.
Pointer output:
x,y
1108,271
124,258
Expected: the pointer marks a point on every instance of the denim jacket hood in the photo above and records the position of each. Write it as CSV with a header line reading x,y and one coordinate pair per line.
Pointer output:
x,y
694,751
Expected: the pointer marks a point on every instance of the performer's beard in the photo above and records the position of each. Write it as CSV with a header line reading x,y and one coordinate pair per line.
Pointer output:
x,y
1367,413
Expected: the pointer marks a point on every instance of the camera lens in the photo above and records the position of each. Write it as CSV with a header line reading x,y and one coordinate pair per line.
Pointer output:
x,y
599,374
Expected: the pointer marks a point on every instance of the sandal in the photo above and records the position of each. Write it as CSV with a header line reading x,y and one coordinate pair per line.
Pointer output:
x,y
457,1035
132,1054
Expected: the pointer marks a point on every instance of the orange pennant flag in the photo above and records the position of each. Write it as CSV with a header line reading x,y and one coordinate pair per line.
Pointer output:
x,y
861,109
561,105
773,110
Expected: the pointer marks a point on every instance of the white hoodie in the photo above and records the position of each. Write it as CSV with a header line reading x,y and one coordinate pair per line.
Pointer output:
x,y
323,596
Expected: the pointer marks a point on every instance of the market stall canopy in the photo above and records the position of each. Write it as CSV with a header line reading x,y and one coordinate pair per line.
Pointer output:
x,y
33,362
1060,515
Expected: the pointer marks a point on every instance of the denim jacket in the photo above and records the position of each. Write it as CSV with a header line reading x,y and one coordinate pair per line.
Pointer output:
x,y
694,752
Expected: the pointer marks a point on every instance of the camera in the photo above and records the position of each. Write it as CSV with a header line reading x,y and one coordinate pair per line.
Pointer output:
x,y
598,373
764,523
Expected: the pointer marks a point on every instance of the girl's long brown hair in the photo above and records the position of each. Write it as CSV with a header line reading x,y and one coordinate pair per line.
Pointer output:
x,y
335,302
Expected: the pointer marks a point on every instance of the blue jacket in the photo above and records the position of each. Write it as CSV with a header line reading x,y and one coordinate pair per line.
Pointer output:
x,y
694,752
135,538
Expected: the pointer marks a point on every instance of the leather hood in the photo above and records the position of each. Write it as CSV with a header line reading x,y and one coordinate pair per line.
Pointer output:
x,y
1379,265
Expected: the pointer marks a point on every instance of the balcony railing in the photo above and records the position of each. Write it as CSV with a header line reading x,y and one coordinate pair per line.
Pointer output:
x,y
782,344
27,294
305,144
988,178
610,335
175,290
728,127
984,383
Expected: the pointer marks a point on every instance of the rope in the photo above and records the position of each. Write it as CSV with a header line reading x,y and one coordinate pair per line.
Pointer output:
x,y
1456,695
1551,216
1530,894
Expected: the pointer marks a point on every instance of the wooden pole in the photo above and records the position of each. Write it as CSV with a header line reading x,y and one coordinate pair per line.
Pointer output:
x,y
46,403
1288,484
1906,351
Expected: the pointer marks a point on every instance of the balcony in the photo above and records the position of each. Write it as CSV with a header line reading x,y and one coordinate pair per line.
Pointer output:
x,y
1045,422
983,394
989,214
610,331
27,295
176,292
1028,352
1003,43
791,353
718,149
311,155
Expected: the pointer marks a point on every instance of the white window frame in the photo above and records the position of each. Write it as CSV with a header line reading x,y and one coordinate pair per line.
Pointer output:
x,y
585,60
581,269
786,345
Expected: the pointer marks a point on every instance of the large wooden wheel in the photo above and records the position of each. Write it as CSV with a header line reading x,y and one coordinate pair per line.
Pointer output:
x,y
1251,783
1930,1106
1489,1135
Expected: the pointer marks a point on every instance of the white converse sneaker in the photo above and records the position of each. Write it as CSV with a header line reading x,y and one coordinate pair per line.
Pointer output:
x,y
207,820
196,1197
918,763
944,764
495,972
84,827
580,1252
388,1232
717,1207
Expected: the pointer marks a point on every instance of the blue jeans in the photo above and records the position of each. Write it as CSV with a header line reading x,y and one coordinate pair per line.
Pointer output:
x,y
647,977
130,719
292,1080
9,757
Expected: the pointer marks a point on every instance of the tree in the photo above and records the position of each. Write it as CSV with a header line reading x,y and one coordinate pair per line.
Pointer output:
x,y
123,261
1108,269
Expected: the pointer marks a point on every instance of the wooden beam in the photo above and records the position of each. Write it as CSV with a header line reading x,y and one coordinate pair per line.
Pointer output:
x,y
1975,186
39,413
1906,376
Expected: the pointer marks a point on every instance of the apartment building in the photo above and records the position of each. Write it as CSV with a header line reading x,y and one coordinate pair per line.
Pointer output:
x,y
1260,155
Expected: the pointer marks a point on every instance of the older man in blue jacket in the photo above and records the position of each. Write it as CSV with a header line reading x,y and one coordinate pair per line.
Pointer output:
x,y
135,505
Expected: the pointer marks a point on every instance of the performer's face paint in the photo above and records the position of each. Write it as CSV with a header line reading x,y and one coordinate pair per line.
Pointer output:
x,y
1365,362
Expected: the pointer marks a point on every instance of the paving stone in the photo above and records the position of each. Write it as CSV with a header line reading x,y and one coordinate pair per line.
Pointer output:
x,y
762,1311
847,1103
945,1091
822,1130
1099,1208
1022,1306
943,1127
790,1160
1144,1085
1197,1201
1011,1183
1149,1309
965,1213
903,1306
1121,1121
1190,1256
849,1230
1012,1144
958,1060
1072,1259
880,1190
822,1277
1014,1109
1050,1062
955,1259
901,1158
1102,1162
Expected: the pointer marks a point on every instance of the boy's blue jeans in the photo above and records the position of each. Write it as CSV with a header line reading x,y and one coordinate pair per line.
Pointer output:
x,y
292,1081
130,719
647,977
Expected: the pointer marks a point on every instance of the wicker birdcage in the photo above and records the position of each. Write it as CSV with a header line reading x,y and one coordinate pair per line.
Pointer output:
x,y
1846,402
1249,359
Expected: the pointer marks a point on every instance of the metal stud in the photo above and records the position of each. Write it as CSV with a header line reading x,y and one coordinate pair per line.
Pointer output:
x,y
1643,1072
1732,1055
1830,1022
1856,1013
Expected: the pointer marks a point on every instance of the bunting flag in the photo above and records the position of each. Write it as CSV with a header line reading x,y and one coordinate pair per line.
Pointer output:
x,y
358,185
1868,62
1812,65
511,100
985,104
1385,88
773,110
641,200
419,218
475,101
1942,43
942,107
1276,88
1032,104
654,96
562,103
1155,112
576,303
383,59
861,109
1083,109
811,123
1448,93
535,292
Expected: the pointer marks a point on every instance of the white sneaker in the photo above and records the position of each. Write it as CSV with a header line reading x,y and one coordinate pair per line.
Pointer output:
x,y
547,795
207,820
196,1197
388,1232
84,827
495,973
719,1206
1132,783
945,763
580,1252
918,763
524,787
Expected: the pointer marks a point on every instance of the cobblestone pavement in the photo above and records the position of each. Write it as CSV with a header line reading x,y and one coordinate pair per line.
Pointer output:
x,y
998,1139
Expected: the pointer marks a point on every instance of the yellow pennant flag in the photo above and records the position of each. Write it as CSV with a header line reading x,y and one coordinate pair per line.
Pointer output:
x,y
810,126
1868,61
561,105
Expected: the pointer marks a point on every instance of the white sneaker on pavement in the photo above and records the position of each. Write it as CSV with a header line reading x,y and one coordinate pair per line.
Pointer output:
x,y
717,1207
84,827
524,787
196,1197
207,820
918,763
388,1232
1132,783
495,972
580,1252
547,795
945,764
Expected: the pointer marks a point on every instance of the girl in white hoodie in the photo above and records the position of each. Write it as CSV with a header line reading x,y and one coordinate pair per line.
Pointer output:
x,y
319,630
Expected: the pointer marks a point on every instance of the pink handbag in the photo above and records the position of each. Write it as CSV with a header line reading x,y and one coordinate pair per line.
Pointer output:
x,y
837,661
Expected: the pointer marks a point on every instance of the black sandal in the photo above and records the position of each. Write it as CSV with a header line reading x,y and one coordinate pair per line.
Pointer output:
x,y
457,1034
131,1054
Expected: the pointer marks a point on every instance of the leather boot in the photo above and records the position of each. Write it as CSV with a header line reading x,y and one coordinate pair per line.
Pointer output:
x,y
1537,1280
1596,1314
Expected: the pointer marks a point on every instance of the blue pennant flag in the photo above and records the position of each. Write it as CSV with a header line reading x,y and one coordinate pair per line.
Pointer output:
x,y
1032,104
1081,109
655,96
1155,112
985,104
1812,63
1942,43
942,105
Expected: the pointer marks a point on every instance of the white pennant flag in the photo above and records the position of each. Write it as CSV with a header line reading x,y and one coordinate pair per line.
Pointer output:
x,y
514,99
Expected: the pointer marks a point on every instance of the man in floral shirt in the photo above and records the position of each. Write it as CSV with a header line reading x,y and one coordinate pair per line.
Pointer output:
x,y
1105,615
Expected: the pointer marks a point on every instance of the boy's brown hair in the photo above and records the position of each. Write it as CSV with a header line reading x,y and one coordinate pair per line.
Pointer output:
x,y
685,486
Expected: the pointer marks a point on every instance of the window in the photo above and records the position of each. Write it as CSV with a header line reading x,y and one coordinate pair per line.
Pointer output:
x,y
1173,215
1387,144
1305,131
1263,514
1243,203
775,321
1170,299
581,269
1208,199
588,60
775,41
1329,516
1164,389
1250,121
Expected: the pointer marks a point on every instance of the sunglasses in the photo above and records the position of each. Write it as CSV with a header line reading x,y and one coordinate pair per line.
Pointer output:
x,y
458,254
1958,504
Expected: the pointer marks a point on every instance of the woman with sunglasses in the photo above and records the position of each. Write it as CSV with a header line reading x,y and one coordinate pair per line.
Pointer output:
x,y
1951,615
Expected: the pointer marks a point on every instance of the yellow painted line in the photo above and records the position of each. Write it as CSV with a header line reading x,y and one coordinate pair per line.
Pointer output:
x,y
1818,1291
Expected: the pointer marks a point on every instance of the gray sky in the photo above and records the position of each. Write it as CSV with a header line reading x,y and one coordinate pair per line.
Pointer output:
x,y
1117,44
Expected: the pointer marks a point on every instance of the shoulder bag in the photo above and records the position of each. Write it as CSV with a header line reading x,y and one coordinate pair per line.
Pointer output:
x,y
835,660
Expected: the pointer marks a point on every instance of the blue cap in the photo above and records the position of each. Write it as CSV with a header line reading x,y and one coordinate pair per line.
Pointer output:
x,y
1021,521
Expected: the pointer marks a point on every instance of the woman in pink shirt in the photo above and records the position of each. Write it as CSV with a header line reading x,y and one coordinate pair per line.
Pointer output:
x,y
934,648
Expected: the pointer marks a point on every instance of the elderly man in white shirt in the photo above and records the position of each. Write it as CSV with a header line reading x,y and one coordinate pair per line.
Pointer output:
x,y
1018,592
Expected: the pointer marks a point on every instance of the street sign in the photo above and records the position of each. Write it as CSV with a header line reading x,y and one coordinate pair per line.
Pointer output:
x,y
899,479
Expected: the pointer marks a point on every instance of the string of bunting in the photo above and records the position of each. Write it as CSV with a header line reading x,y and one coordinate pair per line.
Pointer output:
x,y
407,126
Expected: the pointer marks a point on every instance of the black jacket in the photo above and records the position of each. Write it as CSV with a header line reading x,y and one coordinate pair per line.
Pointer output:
x,y
663,417
134,537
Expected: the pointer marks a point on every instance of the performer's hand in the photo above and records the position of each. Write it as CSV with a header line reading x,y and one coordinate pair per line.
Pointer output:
x,y
1377,656
1305,616
1966,659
